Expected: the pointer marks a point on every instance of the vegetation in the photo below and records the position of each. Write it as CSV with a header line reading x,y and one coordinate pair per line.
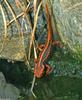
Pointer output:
x,y
23,27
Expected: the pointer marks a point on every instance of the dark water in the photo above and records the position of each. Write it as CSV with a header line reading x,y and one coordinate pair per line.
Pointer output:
x,y
53,87
59,88
65,83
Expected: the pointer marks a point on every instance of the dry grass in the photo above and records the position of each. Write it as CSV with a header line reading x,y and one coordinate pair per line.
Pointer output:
x,y
24,14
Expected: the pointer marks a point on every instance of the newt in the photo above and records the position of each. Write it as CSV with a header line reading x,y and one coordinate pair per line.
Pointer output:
x,y
41,62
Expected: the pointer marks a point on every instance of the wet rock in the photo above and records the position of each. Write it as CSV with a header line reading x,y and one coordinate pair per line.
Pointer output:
x,y
8,91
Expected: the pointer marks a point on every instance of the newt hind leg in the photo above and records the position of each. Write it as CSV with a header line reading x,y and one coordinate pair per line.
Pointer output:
x,y
41,47
49,69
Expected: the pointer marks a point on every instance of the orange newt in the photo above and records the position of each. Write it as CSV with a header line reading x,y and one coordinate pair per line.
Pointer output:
x,y
41,62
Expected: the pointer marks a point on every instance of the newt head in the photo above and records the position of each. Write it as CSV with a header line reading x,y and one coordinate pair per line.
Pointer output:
x,y
38,70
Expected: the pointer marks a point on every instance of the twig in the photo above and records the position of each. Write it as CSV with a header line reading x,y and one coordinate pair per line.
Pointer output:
x,y
5,27
34,78
22,39
32,40
21,14
4,20
35,4
34,29
13,14
33,82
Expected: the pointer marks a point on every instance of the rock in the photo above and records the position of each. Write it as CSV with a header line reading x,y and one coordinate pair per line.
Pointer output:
x,y
11,92
66,18
13,46
8,91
